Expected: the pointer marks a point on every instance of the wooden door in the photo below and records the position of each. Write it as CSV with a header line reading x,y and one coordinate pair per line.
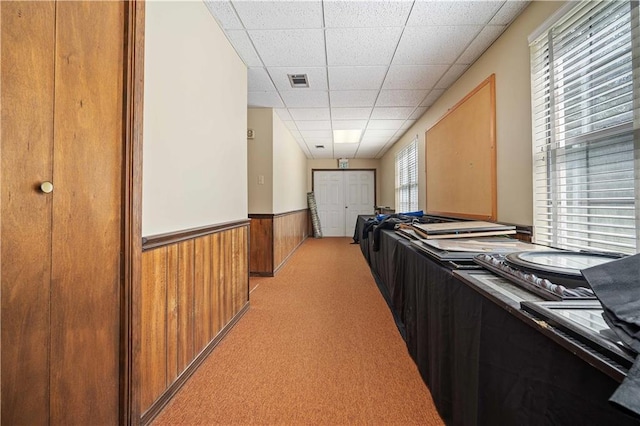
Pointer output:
x,y
62,112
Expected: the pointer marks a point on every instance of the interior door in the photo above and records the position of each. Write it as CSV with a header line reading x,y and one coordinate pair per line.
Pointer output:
x,y
341,196
359,197
62,109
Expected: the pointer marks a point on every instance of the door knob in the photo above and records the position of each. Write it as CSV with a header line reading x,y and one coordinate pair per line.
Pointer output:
x,y
46,187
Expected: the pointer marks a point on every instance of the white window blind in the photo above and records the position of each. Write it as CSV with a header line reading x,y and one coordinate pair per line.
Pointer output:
x,y
586,157
407,178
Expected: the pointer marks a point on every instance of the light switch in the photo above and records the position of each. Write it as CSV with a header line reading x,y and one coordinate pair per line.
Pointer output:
x,y
261,180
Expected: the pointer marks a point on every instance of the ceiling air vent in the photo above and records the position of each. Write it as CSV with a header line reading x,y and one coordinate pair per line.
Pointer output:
x,y
298,80
319,146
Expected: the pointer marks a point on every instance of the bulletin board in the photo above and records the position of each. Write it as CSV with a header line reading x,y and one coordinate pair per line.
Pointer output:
x,y
461,158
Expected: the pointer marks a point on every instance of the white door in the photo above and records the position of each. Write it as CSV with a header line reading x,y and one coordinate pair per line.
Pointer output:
x,y
341,196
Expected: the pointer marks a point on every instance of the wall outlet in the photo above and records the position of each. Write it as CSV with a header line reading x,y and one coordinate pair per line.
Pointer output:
x,y
261,180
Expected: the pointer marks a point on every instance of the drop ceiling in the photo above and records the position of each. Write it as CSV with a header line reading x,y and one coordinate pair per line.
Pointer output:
x,y
375,66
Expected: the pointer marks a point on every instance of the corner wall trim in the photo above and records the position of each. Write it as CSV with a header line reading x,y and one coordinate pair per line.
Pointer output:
x,y
155,241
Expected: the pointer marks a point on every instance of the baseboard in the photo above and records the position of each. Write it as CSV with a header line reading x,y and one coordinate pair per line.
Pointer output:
x,y
275,271
169,393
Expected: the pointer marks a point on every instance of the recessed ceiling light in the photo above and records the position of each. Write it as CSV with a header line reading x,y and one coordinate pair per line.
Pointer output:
x,y
347,136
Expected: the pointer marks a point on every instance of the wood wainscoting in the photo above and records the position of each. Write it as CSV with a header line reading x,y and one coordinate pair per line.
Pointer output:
x,y
274,237
195,287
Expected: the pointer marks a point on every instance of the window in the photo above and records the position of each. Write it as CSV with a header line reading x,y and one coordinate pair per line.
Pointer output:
x,y
586,158
407,178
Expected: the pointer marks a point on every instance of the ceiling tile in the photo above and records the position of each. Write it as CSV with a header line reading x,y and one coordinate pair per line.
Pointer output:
x,y
378,133
452,12
313,125
508,12
353,98
387,113
433,45
323,153
451,76
432,97
345,149
356,78
366,13
318,141
291,125
310,113
242,44
349,124
279,14
400,98
350,113
281,48
303,146
316,76
361,46
412,77
373,142
385,124
316,135
407,124
418,113
224,14
296,134
477,47
283,114
305,98
264,100
259,81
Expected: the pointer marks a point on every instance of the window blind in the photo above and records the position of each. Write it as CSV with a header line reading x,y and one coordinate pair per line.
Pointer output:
x,y
407,178
586,167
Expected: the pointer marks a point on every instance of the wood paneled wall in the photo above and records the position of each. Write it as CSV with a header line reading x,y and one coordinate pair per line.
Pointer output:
x,y
274,238
194,289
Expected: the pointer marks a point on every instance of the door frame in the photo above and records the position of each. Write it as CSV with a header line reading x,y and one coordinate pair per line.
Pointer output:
x,y
131,265
375,179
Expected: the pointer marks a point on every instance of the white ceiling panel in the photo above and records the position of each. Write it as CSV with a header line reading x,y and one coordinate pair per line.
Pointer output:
x,y
259,80
366,13
432,97
345,149
508,12
283,48
349,124
433,45
400,98
361,46
283,114
486,37
356,78
353,98
350,113
244,47
316,76
263,15
389,113
451,76
418,113
452,12
310,113
224,14
313,125
412,77
316,135
264,100
357,54
385,124
304,98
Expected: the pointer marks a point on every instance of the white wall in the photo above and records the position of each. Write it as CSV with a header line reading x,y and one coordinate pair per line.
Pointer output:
x,y
289,170
260,160
508,58
195,121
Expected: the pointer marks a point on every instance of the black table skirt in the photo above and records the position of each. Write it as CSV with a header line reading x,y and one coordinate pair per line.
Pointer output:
x,y
483,364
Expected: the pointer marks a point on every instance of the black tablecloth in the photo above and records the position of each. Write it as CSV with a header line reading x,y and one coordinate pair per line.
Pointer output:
x,y
483,364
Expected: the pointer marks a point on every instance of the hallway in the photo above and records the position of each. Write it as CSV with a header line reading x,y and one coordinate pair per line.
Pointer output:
x,y
317,346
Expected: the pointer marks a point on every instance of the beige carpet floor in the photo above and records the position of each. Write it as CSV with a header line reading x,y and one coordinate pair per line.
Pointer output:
x,y
318,346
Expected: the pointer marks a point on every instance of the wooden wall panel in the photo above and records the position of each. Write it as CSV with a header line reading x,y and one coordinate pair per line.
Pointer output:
x,y
193,292
289,231
261,245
